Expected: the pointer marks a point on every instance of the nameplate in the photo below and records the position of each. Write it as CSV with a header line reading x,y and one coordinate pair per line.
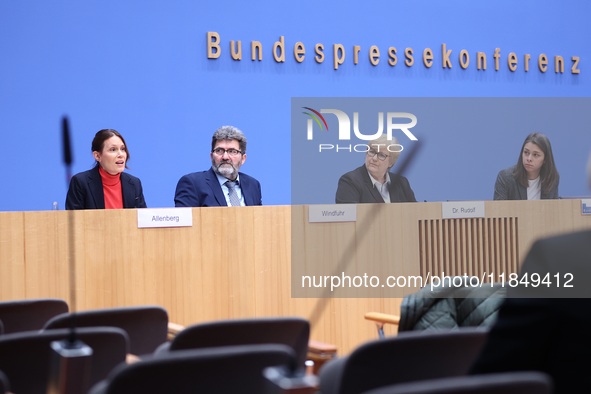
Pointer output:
x,y
164,217
586,206
462,209
332,213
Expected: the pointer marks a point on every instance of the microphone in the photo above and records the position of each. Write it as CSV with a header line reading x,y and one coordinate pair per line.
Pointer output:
x,y
408,158
362,231
67,148
70,362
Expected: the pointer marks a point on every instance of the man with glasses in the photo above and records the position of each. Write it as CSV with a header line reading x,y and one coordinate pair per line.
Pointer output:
x,y
222,184
372,182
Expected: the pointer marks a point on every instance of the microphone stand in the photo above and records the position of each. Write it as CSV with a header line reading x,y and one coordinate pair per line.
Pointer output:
x,y
71,358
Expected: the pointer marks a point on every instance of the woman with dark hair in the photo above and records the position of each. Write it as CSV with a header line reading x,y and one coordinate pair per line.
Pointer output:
x,y
534,177
106,186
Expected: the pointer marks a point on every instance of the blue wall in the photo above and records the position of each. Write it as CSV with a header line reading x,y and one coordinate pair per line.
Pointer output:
x,y
141,67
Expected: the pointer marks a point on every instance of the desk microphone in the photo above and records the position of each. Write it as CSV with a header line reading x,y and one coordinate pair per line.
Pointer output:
x,y
67,148
71,358
361,233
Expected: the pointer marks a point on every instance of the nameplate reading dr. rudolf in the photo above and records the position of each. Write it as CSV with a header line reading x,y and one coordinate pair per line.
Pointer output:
x,y
164,217
462,209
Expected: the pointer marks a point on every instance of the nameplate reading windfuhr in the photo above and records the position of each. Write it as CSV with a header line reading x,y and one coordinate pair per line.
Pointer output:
x,y
332,213
586,206
462,209
164,217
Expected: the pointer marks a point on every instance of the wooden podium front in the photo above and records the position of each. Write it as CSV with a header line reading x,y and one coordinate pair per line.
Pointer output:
x,y
236,262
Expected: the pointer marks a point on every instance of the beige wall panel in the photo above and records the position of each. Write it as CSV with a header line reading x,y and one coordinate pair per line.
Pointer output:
x,y
12,256
236,262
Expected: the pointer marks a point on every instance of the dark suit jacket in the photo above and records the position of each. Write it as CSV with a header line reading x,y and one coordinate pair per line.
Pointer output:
x,y
202,189
507,188
86,191
547,334
356,187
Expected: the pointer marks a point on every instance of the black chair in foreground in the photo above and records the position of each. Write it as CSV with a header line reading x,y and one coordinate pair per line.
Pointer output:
x,y
4,385
527,382
29,314
231,369
408,356
290,331
146,325
26,357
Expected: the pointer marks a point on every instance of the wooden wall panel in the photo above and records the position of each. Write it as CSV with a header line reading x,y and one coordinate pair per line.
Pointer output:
x,y
237,262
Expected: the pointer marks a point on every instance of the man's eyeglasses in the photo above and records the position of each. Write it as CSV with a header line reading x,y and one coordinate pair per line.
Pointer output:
x,y
231,152
372,153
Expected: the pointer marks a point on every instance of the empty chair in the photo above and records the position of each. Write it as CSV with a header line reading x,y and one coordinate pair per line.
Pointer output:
x,y
527,382
25,357
291,331
231,369
31,314
146,326
408,356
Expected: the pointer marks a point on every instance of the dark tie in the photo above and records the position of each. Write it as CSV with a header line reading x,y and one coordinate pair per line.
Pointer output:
x,y
234,200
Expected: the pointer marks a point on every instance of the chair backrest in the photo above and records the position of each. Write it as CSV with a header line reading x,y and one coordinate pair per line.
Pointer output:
x,y
409,356
527,382
4,385
146,325
291,331
26,357
231,369
31,314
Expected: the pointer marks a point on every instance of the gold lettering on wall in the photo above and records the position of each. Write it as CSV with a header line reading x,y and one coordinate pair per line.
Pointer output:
x,y
216,49
392,58
558,64
409,59
236,50
445,58
338,52
356,49
574,69
427,57
279,50
319,49
543,63
526,59
374,55
464,59
299,52
512,61
480,61
213,45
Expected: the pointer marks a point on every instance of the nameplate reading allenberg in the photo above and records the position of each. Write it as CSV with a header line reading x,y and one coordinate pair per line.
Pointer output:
x,y
332,213
164,217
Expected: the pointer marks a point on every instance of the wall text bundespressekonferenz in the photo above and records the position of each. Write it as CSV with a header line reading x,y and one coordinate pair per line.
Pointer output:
x,y
446,57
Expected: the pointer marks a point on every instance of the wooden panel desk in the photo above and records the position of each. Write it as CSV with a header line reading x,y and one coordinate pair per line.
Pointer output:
x,y
236,262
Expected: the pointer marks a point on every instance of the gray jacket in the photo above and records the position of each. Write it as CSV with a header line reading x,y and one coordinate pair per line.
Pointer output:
x,y
507,188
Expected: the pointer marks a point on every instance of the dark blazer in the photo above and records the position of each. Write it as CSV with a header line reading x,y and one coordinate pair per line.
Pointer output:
x,y
507,188
202,189
548,334
86,191
356,187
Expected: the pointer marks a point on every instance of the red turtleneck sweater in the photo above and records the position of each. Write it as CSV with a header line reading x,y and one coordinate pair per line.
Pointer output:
x,y
112,189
